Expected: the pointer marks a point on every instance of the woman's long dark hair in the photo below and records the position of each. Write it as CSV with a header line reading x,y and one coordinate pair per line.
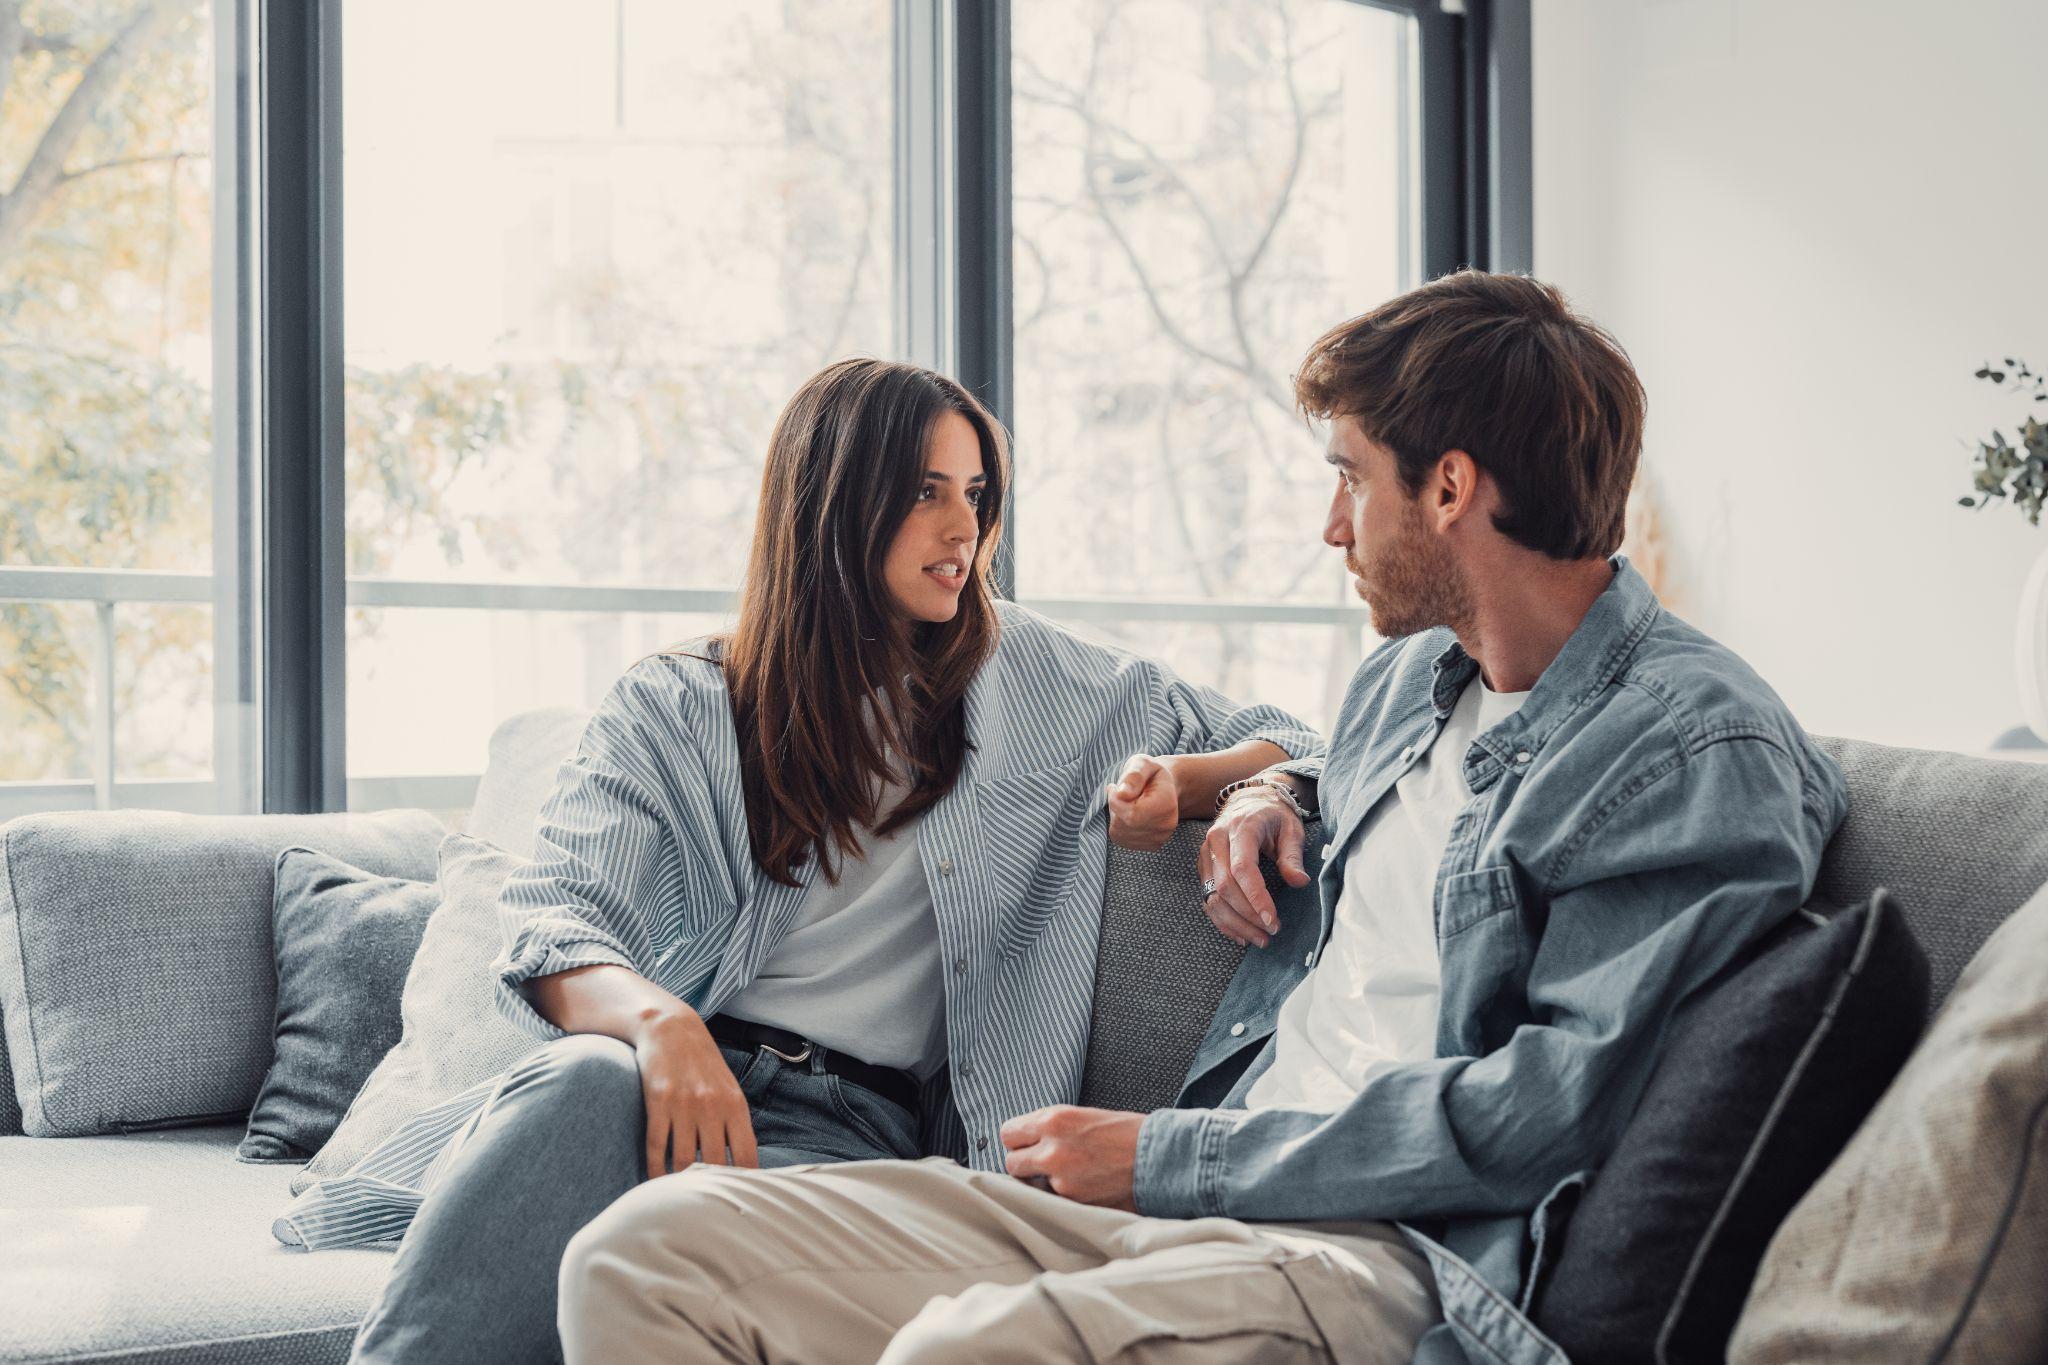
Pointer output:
x,y
828,682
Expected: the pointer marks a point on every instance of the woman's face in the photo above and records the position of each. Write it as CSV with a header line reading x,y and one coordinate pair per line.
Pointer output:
x,y
928,562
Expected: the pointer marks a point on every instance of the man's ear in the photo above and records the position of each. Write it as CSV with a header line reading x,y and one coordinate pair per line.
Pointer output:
x,y
1455,488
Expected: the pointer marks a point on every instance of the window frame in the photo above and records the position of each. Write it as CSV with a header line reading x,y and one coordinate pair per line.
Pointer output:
x,y
279,585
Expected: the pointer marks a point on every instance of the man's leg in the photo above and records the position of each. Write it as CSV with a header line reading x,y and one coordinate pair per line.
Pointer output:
x,y
924,1261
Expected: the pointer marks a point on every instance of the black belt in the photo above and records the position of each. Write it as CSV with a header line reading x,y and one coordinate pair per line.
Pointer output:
x,y
897,1086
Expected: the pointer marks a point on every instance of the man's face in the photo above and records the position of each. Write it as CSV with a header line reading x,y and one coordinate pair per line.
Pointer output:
x,y
1405,570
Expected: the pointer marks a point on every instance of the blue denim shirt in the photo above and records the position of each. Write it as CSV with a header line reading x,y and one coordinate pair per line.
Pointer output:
x,y
1650,809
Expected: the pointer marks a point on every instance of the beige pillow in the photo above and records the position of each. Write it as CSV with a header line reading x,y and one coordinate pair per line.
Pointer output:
x,y
1927,1240
453,1033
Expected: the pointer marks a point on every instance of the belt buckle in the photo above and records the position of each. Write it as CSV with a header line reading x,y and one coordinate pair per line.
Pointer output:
x,y
800,1057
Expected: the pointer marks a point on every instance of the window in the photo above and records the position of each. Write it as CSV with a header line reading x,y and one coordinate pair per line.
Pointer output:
x,y
584,279
295,496
1202,187
123,628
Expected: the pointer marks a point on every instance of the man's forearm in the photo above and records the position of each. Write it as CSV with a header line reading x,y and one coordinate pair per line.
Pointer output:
x,y
1200,776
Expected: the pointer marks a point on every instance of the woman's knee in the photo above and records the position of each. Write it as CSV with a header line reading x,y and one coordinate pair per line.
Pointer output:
x,y
588,1069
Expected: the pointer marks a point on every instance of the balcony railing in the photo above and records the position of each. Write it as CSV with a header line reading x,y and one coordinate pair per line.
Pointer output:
x,y
105,589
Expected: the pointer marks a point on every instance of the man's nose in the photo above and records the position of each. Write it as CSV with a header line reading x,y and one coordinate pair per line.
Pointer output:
x,y
1337,527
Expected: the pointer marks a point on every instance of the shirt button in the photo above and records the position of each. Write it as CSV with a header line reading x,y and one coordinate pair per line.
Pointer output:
x,y
967,1071
1309,961
960,966
1237,1030
945,867
981,1144
1523,756
1407,753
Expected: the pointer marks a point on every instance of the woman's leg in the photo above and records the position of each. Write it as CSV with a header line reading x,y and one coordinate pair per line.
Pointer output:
x,y
564,1136
474,1279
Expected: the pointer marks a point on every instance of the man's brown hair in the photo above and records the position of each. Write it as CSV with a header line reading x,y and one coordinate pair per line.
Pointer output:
x,y
1500,367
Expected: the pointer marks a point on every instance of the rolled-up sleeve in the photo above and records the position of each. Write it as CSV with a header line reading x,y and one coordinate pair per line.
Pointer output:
x,y
605,865
1200,719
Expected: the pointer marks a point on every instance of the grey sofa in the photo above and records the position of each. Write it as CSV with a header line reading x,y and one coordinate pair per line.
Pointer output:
x,y
155,1246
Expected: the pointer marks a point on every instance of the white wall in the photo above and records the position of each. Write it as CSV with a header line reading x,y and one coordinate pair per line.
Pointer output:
x,y
1809,221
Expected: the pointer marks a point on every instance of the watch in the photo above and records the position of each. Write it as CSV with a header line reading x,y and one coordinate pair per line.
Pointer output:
x,y
1302,812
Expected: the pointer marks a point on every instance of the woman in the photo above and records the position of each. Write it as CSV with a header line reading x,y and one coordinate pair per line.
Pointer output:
x,y
825,889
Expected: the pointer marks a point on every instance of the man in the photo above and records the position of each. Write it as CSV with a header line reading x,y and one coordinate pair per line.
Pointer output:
x,y
1553,810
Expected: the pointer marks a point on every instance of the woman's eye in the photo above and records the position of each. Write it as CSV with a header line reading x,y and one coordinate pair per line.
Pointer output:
x,y
974,497
927,493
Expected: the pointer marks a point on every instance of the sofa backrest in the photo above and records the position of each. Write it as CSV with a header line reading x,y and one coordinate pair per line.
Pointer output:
x,y
137,980
1961,841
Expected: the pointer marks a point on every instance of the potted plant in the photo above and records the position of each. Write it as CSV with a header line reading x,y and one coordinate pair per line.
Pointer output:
x,y
2017,471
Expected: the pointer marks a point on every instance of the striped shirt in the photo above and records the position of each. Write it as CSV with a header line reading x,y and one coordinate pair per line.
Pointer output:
x,y
643,861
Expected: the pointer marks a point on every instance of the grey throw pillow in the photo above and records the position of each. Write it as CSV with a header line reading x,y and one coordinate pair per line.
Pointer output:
x,y
1927,1240
344,940
452,1032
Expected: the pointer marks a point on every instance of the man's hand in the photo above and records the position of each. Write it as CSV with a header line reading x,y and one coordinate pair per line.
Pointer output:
x,y
1087,1155
1144,804
1256,823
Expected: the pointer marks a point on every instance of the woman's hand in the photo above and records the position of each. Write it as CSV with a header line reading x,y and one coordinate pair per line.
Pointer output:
x,y
1255,824
695,1109
1144,804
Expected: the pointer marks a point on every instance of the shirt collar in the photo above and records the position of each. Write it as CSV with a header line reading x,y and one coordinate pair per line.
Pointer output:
x,y
1594,655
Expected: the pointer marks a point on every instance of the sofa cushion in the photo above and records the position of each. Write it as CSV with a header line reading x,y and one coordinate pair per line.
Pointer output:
x,y
1928,1239
344,940
1764,1075
1161,969
454,1033
1962,842
150,1248
526,751
136,983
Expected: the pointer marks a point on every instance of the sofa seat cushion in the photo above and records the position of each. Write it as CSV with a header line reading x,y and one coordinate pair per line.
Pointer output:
x,y
155,1247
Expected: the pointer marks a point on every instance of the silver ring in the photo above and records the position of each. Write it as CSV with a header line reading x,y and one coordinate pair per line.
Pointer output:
x,y
1209,886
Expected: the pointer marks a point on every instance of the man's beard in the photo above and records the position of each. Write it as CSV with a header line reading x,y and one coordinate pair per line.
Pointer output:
x,y
1413,584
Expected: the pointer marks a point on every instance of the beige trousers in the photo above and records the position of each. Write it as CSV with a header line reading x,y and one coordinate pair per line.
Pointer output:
x,y
923,1261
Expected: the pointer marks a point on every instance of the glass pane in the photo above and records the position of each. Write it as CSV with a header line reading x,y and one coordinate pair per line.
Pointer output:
x,y
443,730
582,280
107,397
1202,188
1301,668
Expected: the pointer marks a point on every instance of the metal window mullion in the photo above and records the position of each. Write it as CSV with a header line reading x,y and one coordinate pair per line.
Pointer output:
x,y
923,189
1507,145
301,400
233,589
983,325
1440,79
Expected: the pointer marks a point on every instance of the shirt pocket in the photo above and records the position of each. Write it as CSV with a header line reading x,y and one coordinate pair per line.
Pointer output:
x,y
1471,898
1034,823
1480,946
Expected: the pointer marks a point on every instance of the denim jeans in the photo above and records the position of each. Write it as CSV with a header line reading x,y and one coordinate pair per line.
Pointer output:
x,y
563,1136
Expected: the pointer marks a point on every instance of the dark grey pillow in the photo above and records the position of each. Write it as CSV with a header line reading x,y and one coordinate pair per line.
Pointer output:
x,y
1766,1073
344,939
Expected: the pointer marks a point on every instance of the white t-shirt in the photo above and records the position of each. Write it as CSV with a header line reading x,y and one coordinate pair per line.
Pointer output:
x,y
1371,1000
860,971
